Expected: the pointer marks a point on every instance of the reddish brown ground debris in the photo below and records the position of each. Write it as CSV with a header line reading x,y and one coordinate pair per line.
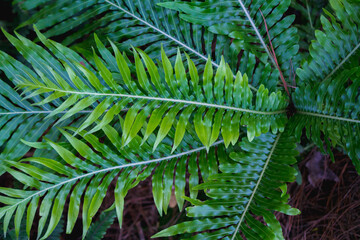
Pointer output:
x,y
331,210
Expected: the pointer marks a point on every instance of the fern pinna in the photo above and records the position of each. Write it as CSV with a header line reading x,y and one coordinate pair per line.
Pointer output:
x,y
188,93
241,191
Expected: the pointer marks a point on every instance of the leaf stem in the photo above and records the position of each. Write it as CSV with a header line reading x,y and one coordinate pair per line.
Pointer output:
x,y
166,100
37,112
309,16
329,116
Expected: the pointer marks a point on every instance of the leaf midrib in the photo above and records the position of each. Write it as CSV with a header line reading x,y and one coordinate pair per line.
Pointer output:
x,y
342,62
328,116
48,112
162,32
116,168
257,32
256,187
166,100
38,112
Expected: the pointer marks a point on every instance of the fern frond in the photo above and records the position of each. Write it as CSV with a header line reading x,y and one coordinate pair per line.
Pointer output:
x,y
332,108
216,103
337,45
90,178
242,21
249,187
142,24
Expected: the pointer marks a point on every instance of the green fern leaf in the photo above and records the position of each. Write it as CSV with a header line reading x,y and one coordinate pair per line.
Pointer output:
x,y
332,108
221,104
337,44
242,21
250,185
89,179
133,23
169,97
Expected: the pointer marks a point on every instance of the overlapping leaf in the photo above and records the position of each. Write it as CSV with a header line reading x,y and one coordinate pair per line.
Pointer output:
x,y
141,24
85,171
337,45
250,186
243,21
330,112
214,103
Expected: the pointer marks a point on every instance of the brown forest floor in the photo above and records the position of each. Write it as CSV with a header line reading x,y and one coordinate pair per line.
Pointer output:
x,y
330,211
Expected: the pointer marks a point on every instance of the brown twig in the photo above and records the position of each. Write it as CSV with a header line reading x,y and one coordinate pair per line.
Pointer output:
x,y
272,51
